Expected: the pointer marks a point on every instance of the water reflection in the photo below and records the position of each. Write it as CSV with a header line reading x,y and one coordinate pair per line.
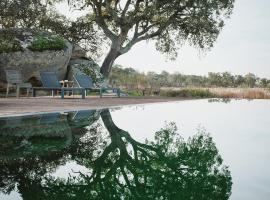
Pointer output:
x,y
220,100
119,167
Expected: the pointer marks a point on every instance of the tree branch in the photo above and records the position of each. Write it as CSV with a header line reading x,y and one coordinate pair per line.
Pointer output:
x,y
125,9
100,20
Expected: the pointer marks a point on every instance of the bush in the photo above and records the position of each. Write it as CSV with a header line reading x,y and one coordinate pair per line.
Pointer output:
x,y
134,93
195,93
42,43
9,45
92,71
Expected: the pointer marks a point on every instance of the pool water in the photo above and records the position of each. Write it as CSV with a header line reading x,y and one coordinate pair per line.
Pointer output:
x,y
195,149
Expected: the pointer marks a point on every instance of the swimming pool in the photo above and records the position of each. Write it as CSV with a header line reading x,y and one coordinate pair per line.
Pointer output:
x,y
195,149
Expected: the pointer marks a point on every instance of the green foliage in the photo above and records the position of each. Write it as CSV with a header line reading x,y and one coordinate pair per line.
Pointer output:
x,y
194,93
89,72
42,15
169,23
43,43
135,93
92,71
127,77
9,44
20,13
131,79
250,80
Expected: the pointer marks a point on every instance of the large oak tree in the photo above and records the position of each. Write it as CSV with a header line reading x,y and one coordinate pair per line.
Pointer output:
x,y
169,22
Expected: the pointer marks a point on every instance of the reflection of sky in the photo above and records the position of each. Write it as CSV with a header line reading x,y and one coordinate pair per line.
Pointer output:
x,y
70,168
12,196
240,130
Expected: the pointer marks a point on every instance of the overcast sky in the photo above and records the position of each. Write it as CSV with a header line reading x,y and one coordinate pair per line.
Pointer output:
x,y
243,46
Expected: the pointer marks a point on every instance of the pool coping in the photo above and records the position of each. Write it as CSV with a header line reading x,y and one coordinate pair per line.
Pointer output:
x,y
96,107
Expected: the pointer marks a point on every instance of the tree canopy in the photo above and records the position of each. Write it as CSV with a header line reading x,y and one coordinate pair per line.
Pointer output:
x,y
42,15
169,23
127,22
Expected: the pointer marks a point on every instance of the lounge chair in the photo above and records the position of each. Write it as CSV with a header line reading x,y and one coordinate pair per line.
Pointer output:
x,y
82,115
84,81
50,82
49,118
82,118
14,78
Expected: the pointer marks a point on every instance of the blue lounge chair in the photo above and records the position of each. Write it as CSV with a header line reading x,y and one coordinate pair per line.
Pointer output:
x,y
50,82
49,118
83,114
86,82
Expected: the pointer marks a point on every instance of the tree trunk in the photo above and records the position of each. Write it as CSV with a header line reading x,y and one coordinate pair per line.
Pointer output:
x,y
111,57
108,62
108,122
114,52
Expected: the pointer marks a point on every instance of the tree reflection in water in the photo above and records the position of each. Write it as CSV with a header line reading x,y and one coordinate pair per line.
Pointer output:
x,y
123,168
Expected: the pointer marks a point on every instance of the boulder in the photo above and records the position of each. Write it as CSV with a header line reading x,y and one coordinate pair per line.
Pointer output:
x,y
78,52
32,62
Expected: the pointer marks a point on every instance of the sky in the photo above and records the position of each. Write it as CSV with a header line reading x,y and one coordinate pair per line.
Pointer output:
x,y
243,46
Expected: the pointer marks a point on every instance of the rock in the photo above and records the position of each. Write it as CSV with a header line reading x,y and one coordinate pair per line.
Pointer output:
x,y
32,62
78,52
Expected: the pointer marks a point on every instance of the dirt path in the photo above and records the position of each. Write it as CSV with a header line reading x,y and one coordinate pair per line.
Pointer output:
x,y
22,106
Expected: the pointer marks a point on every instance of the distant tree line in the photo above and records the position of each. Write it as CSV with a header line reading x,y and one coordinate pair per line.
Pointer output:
x,y
130,78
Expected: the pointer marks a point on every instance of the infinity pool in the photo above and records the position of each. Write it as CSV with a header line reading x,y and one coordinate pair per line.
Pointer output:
x,y
195,149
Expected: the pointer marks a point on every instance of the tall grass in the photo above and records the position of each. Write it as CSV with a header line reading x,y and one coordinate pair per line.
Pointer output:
x,y
237,93
241,93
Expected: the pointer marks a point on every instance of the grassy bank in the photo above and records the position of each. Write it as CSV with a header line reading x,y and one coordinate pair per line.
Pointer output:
x,y
238,93
241,93
188,93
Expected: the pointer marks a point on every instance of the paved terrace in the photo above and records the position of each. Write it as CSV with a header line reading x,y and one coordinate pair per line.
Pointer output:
x,y
23,106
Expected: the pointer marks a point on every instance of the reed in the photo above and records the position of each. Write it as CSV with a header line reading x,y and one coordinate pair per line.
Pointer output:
x,y
241,93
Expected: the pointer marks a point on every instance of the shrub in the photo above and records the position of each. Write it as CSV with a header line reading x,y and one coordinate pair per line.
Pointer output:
x,y
135,93
42,43
195,93
92,70
9,45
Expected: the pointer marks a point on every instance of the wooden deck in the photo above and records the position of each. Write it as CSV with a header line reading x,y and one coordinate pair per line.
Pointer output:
x,y
31,105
